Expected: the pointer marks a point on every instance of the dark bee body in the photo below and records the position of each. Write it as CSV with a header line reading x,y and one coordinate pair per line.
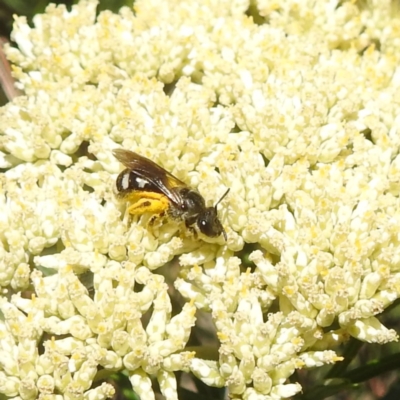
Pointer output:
x,y
151,189
129,180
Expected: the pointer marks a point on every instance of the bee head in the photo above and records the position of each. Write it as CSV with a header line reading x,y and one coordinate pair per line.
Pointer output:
x,y
208,222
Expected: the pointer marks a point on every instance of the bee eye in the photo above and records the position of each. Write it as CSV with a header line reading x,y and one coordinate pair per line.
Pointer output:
x,y
209,224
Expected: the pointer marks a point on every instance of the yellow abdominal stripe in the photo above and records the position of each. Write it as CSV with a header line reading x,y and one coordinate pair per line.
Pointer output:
x,y
147,202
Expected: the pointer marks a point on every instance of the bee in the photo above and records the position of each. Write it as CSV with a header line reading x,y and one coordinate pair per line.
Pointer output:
x,y
149,188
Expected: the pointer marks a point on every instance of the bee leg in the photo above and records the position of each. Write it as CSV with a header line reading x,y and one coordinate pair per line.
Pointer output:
x,y
153,224
127,218
154,218
194,232
189,231
149,205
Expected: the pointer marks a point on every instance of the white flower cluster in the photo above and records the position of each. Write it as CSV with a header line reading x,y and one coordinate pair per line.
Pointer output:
x,y
294,107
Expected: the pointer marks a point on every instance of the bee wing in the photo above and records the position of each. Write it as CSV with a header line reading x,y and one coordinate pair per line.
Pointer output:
x,y
151,172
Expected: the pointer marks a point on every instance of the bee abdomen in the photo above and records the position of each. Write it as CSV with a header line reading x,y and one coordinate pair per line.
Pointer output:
x,y
128,181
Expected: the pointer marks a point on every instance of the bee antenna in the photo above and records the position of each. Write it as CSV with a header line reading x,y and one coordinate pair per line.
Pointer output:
x,y
223,196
